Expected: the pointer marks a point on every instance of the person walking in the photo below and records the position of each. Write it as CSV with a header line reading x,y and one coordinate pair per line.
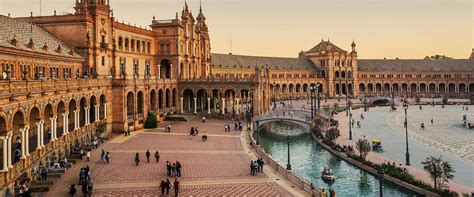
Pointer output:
x,y
72,190
157,156
432,122
176,187
88,155
44,172
107,157
137,159
147,154
162,186
168,186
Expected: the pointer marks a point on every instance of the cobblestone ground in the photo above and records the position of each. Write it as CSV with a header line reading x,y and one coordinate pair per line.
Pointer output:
x,y
217,167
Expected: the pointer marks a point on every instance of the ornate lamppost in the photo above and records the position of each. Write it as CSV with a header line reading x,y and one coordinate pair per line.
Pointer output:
x,y
258,132
288,165
407,154
350,119
312,89
380,173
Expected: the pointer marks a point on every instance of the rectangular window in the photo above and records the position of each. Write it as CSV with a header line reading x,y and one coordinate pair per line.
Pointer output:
x,y
103,61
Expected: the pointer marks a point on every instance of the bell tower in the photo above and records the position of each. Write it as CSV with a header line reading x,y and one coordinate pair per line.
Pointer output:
x,y
99,36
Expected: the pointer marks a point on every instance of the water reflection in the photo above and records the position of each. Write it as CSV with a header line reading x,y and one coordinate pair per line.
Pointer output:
x,y
308,159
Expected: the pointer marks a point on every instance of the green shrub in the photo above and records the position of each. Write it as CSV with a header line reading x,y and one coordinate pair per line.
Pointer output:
x,y
101,128
151,121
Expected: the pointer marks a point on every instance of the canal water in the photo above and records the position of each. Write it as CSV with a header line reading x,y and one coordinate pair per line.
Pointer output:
x,y
308,159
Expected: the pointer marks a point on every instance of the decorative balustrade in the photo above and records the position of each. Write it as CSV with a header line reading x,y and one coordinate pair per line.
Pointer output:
x,y
47,85
25,164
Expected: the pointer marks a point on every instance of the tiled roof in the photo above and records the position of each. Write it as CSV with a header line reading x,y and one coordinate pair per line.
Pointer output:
x,y
22,31
274,63
326,46
428,65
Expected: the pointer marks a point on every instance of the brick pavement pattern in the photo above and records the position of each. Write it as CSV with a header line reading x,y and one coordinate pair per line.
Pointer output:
x,y
195,167
246,189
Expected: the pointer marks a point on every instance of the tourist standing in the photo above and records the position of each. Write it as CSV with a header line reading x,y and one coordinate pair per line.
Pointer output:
x,y
178,169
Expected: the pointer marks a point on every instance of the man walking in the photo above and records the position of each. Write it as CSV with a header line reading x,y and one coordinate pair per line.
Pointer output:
x,y
163,187
147,154
88,155
137,159
176,187
107,157
157,156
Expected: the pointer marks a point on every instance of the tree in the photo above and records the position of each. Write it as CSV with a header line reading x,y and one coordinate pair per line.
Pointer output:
x,y
440,171
332,134
151,121
363,146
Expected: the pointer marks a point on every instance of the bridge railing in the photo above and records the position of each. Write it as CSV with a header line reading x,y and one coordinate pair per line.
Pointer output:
x,y
299,181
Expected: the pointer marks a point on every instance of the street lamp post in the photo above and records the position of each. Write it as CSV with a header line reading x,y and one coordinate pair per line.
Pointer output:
x,y
311,88
288,165
319,100
258,132
380,173
407,154
350,119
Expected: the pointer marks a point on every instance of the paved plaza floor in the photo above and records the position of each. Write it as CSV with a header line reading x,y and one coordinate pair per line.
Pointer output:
x,y
445,137
218,167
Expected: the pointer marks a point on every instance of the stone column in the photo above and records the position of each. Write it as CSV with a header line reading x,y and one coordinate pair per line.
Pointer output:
x,y
181,104
27,141
9,151
52,128
97,112
67,122
42,133
105,110
87,111
238,106
195,105
38,135
5,153
23,143
159,71
223,105
64,123
75,119
208,105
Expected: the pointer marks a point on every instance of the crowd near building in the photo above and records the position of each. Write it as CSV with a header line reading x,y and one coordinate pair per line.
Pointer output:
x,y
64,75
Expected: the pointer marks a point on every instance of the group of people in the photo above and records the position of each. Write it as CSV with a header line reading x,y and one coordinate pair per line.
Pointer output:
x,y
195,131
85,181
330,193
165,187
147,156
256,166
104,156
173,169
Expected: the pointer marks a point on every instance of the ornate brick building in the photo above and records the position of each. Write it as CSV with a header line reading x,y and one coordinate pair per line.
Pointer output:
x,y
63,75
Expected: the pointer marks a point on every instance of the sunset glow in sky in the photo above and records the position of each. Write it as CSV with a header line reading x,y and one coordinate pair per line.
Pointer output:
x,y
409,29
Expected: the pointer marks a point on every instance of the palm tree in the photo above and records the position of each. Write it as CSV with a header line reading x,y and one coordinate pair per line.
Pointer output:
x,y
363,146
440,171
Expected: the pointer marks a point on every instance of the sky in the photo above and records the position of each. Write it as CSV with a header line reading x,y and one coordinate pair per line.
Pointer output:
x,y
405,29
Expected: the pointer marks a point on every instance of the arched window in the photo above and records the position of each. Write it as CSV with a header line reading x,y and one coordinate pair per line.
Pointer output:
x,y
132,45
120,43
337,74
126,44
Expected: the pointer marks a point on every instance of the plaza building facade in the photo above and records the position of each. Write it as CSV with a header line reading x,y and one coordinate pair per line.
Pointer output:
x,y
64,75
